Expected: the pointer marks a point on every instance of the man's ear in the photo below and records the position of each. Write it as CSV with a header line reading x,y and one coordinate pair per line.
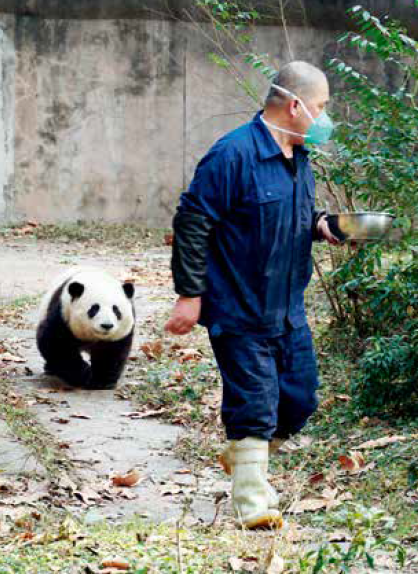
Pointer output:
x,y
294,108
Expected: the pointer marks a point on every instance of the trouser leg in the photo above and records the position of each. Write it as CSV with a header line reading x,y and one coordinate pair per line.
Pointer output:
x,y
250,386
298,381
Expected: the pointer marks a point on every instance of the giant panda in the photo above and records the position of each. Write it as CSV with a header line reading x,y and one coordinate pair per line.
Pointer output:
x,y
86,309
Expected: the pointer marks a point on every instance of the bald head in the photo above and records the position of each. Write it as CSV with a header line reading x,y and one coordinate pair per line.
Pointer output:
x,y
300,78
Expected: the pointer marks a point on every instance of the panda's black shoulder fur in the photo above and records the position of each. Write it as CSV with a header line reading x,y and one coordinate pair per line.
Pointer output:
x,y
53,327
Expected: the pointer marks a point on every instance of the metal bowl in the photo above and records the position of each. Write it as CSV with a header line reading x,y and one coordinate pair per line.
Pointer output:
x,y
360,226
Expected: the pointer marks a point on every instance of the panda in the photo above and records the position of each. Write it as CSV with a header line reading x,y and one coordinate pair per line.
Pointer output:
x,y
86,309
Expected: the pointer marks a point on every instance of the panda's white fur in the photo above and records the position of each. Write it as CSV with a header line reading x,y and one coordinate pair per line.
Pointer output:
x,y
99,288
86,309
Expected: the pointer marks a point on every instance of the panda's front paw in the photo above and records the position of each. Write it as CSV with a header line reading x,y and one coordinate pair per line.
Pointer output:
x,y
49,370
102,384
76,377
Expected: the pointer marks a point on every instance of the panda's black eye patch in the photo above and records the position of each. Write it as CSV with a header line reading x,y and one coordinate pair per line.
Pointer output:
x,y
117,312
94,309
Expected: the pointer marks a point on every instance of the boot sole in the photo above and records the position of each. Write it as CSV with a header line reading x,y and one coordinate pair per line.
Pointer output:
x,y
266,521
222,459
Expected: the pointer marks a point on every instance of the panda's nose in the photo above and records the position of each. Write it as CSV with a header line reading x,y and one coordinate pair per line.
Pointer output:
x,y
107,326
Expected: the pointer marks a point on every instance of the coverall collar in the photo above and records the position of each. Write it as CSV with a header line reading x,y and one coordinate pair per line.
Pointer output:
x,y
266,145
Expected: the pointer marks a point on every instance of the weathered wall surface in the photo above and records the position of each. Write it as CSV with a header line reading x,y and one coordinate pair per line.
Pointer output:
x,y
106,119
326,14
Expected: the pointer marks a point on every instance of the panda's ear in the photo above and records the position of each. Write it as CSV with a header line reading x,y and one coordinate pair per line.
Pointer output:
x,y
129,290
75,289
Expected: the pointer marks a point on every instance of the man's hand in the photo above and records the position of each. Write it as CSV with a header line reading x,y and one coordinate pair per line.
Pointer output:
x,y
324,230
185,315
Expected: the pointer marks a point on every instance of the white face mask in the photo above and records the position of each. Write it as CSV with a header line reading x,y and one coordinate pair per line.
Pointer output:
x,y
319,131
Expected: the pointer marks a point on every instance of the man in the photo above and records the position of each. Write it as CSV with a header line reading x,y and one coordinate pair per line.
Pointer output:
x,y
241,261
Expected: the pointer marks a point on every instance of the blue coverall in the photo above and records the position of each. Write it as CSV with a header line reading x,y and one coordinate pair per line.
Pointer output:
x,y
258,265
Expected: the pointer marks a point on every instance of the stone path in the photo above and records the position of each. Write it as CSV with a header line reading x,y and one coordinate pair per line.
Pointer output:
x,y
105,442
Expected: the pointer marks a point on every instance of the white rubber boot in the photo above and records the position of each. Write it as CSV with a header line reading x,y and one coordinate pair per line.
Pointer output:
x,y
249,484
226,461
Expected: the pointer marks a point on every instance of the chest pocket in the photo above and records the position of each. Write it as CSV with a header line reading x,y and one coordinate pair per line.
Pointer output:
x,y
273,192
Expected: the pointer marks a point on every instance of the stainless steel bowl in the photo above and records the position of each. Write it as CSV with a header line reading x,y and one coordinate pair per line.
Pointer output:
x,y
360,226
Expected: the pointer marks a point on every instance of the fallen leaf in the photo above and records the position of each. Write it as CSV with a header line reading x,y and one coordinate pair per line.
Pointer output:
x,y
35,491
330,499
189,355
129,479
60,420
307,505
87,495
327,403
352,463
145,414
80,416
381,442
9,358
153,350
236,564
339,536
345,398
170,489
315,478
293,444
183,471
115,562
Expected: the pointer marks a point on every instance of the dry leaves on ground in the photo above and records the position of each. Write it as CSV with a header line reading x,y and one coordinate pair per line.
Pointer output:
x,y
145,414
153,349
352,462
115,562
384,441
7,357
129,479
330,498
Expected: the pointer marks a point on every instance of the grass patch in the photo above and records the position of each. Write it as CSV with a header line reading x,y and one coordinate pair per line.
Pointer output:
x,y
122,236
13,312
69,545
23,424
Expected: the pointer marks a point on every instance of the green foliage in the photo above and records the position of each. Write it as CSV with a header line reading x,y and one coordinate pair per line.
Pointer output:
x,y
229,13
382,307
374,166
388,377
233,25
258,62
375,161
370,529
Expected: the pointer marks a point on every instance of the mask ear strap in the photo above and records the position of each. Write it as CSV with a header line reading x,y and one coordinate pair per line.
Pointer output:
x,y
294,96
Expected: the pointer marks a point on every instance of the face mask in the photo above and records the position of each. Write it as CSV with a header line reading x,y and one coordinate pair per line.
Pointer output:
x,y
321,128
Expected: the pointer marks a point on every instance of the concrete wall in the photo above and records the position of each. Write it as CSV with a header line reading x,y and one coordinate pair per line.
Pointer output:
x,y
327,14
106,119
